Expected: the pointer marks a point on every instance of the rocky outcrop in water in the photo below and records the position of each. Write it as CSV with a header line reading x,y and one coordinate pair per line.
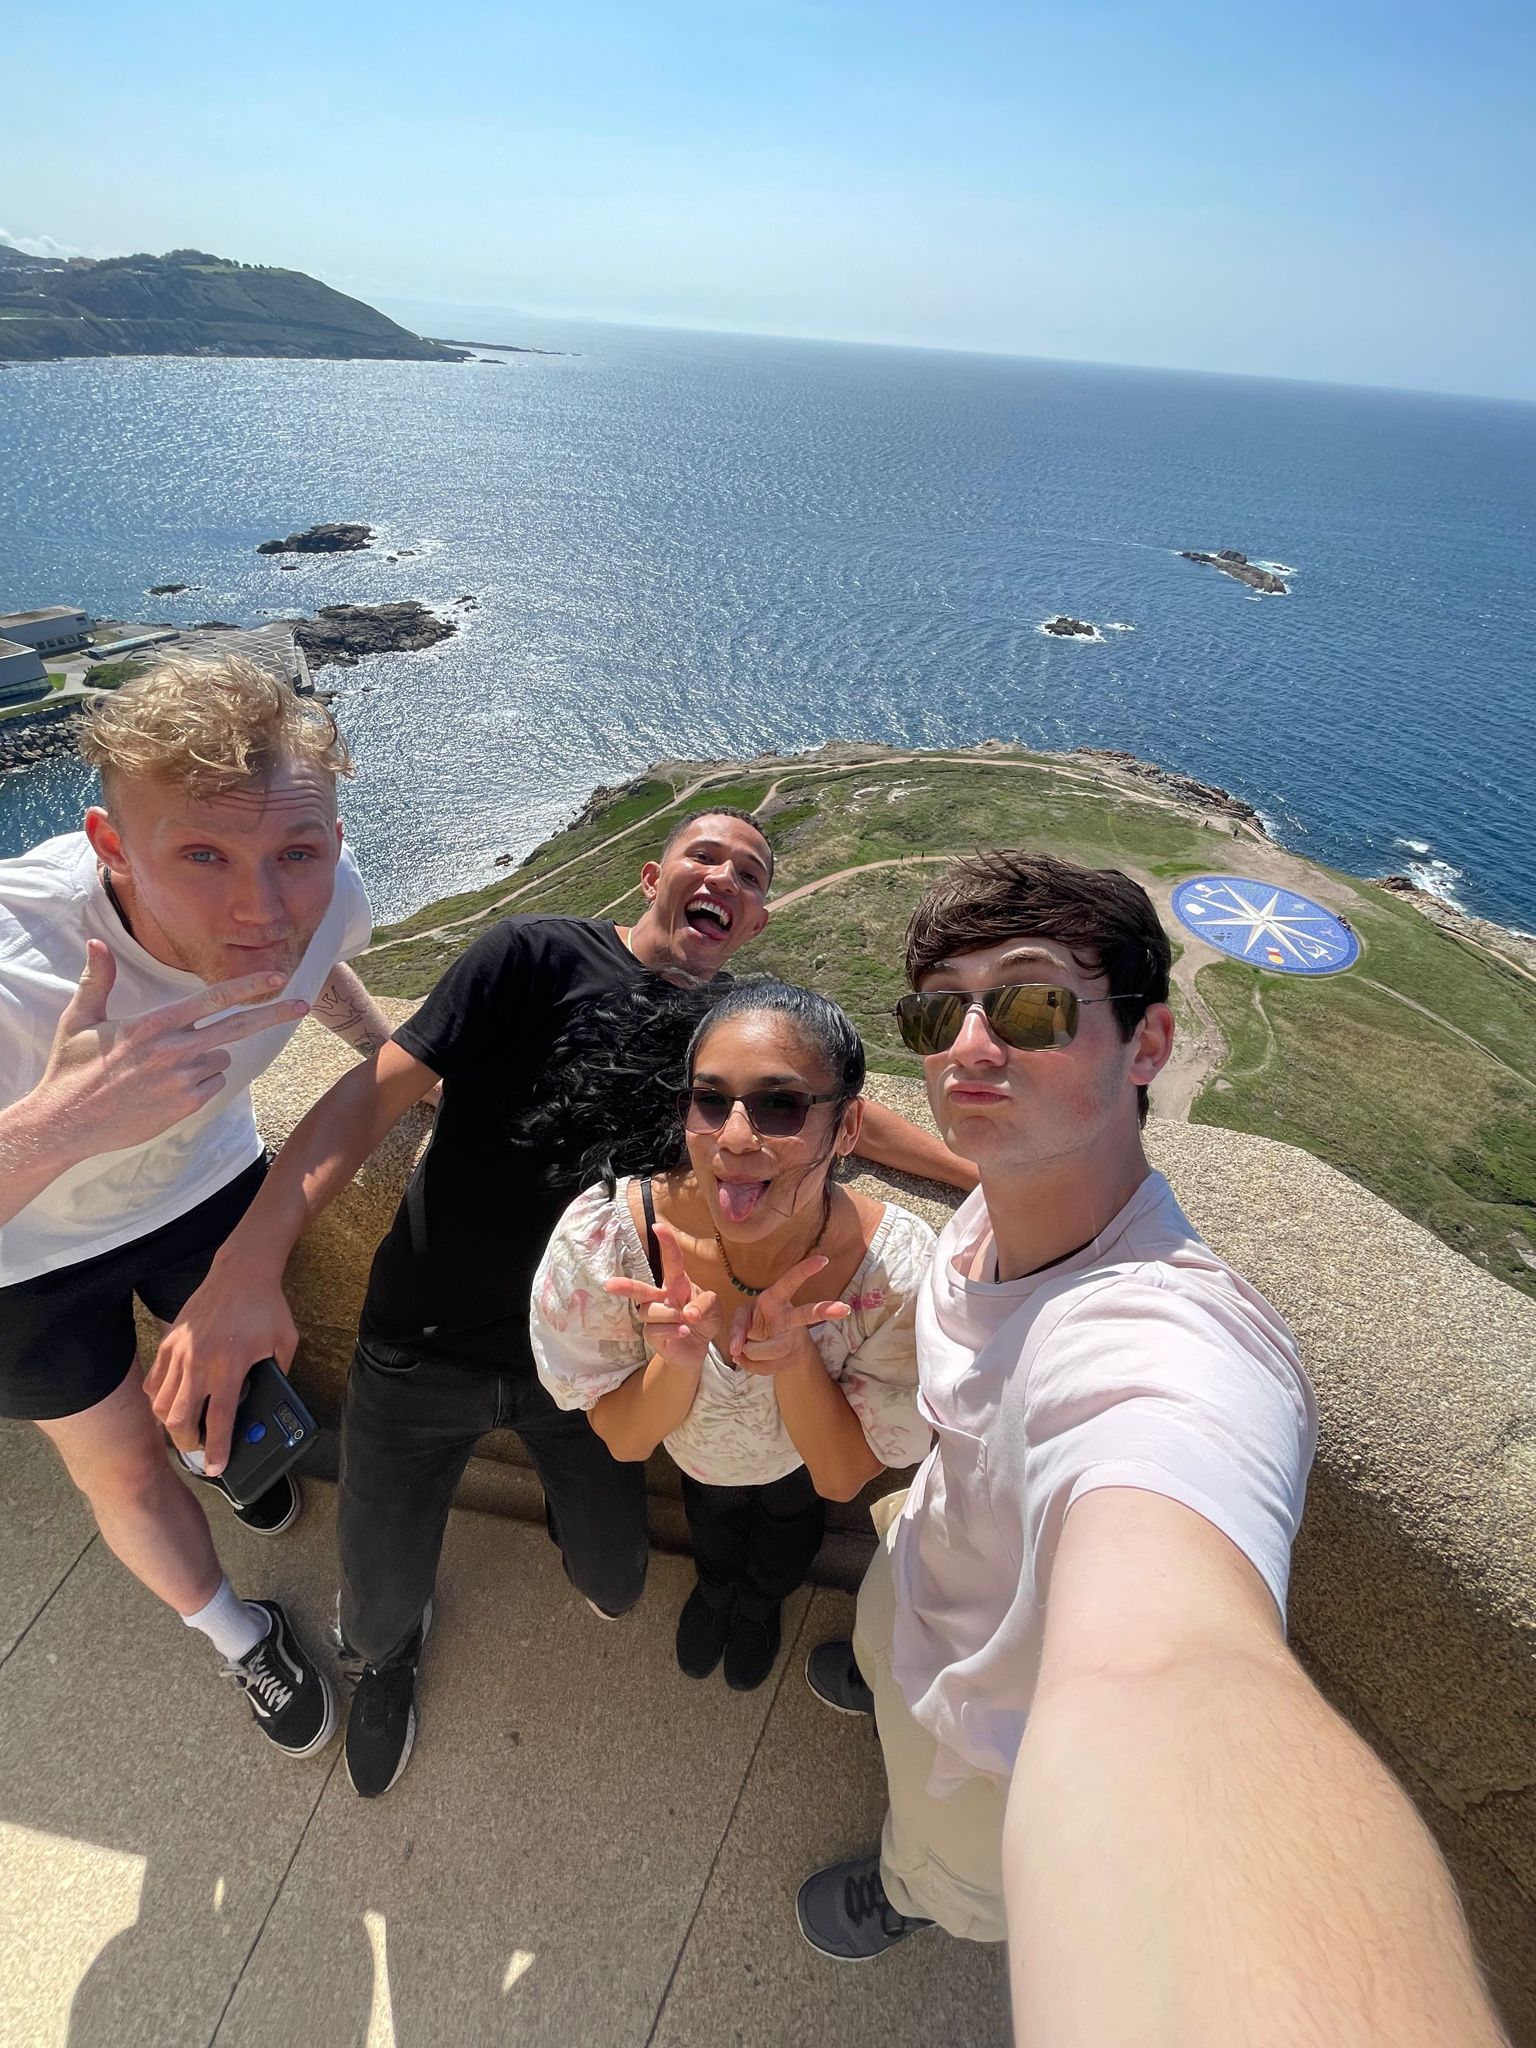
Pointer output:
x,y
167,589
1506,940
339,635
1231,563
338,538
1204,796
1070,629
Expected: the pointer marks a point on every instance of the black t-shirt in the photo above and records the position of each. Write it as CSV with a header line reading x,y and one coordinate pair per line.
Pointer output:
x,y
459,1260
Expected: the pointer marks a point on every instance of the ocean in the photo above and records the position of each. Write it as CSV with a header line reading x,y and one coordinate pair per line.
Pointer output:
x,y
693,544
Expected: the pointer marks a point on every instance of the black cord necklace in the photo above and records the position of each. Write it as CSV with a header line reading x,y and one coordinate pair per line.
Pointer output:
x,y
114,900
752,1293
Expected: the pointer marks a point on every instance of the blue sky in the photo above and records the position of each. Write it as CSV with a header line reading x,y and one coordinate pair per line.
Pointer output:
x,y
1339,192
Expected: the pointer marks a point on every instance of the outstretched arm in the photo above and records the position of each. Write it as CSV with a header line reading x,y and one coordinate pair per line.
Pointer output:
x,y
891,1140
1198,1851
239,1314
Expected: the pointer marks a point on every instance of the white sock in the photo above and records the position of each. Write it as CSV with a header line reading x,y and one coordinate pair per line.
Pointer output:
x,y
232,1625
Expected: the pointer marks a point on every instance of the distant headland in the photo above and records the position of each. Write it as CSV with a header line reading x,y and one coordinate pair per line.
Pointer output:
x,y
190,303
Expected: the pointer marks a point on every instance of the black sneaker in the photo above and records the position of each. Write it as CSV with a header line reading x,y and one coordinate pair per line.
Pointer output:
x,y
832,1672
381,1728
290,1699
273,1511
270,1513
750,1649
702,1628
843,1912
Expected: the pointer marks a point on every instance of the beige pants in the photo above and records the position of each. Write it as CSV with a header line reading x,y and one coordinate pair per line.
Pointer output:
x,y
940,1859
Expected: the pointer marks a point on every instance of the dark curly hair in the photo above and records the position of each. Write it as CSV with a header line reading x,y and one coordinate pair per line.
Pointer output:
x,y
606,1105
606,1102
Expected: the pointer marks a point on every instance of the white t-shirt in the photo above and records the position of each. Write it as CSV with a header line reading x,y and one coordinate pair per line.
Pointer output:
x,y
1141,1361
51,901
587,1342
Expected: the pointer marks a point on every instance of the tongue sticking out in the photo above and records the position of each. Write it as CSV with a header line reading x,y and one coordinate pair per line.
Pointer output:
x,y
738,1198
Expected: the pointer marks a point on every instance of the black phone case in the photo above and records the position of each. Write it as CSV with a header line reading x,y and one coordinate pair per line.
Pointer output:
x,y
272,1431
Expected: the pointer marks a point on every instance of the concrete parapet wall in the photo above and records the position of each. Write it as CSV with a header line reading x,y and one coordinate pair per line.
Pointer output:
x,y
1414,1591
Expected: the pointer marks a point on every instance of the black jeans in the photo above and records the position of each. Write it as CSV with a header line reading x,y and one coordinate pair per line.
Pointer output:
x,y
754,1544
410,1421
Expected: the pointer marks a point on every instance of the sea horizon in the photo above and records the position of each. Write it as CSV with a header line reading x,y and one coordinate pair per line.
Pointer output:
x,y
693,543
433,312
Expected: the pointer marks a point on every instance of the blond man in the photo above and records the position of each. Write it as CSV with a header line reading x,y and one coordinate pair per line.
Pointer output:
x,y
151,966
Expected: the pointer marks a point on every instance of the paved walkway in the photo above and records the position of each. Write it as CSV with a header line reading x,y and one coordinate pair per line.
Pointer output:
x,y
587,1850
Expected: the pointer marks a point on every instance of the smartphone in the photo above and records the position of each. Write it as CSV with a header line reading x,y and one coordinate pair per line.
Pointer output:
x,y
272,1431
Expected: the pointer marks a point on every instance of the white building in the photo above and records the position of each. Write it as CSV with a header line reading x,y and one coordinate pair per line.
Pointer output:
x,y
22,675
56,629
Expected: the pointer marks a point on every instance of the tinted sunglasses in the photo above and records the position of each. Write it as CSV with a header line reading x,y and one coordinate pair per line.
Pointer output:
x,y
1030,1016
772,1112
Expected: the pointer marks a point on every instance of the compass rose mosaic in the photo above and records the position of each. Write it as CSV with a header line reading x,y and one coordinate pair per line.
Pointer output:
x,y
1264,925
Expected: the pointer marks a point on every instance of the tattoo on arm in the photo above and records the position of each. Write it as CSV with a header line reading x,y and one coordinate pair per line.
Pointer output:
x,y
345,1007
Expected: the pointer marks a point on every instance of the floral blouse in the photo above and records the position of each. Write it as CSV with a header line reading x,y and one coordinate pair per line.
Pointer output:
x,y
586,1343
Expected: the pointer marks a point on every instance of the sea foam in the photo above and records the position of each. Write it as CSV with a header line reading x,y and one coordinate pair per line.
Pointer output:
x,y
1438,878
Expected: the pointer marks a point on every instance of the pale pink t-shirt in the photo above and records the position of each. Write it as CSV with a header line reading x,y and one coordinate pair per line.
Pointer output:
x,y
1141,1361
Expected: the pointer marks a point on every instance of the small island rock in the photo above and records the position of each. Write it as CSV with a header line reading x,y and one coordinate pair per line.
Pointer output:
x,y
340,634
1231,563
167,589
1070,629
334,539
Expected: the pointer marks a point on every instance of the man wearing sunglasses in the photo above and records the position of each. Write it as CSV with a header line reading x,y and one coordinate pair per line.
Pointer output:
x,y
443,1353
1082,1596
1121,1419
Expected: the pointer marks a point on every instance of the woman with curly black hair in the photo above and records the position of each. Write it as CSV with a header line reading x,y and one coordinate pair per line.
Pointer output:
x,y
725,1296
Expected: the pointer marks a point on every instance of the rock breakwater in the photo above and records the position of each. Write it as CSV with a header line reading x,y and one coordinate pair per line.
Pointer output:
x,y
24,742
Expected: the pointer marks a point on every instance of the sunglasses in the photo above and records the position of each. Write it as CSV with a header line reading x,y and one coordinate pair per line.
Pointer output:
x,y
772,1112
1030,1016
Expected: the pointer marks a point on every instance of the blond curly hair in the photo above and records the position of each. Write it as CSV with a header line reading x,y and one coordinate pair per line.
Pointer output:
x,y
208,727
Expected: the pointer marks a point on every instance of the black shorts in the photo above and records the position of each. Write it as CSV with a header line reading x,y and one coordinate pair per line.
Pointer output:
x,y
67,1338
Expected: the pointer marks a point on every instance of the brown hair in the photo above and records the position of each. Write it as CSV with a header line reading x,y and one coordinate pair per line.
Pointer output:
x,y
1104,919
208,726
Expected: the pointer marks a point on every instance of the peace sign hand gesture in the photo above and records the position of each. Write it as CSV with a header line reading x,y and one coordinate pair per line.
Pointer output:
x,y
770,1335
680,1320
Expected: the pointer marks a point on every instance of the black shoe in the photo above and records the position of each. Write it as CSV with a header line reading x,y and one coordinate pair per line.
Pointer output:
x,y
843,1912
702,1628
833,1674
270,1513
750,1649
273,1511
290,1699
381,1729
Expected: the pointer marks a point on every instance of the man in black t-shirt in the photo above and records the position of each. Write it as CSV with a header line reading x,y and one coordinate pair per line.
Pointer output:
x,y
442,1353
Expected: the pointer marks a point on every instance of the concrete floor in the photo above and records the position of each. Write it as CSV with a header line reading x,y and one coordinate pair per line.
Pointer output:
x,y
588,1851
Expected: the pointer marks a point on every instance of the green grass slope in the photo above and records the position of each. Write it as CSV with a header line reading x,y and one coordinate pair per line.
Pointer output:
x,y
1415,1073
190,303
